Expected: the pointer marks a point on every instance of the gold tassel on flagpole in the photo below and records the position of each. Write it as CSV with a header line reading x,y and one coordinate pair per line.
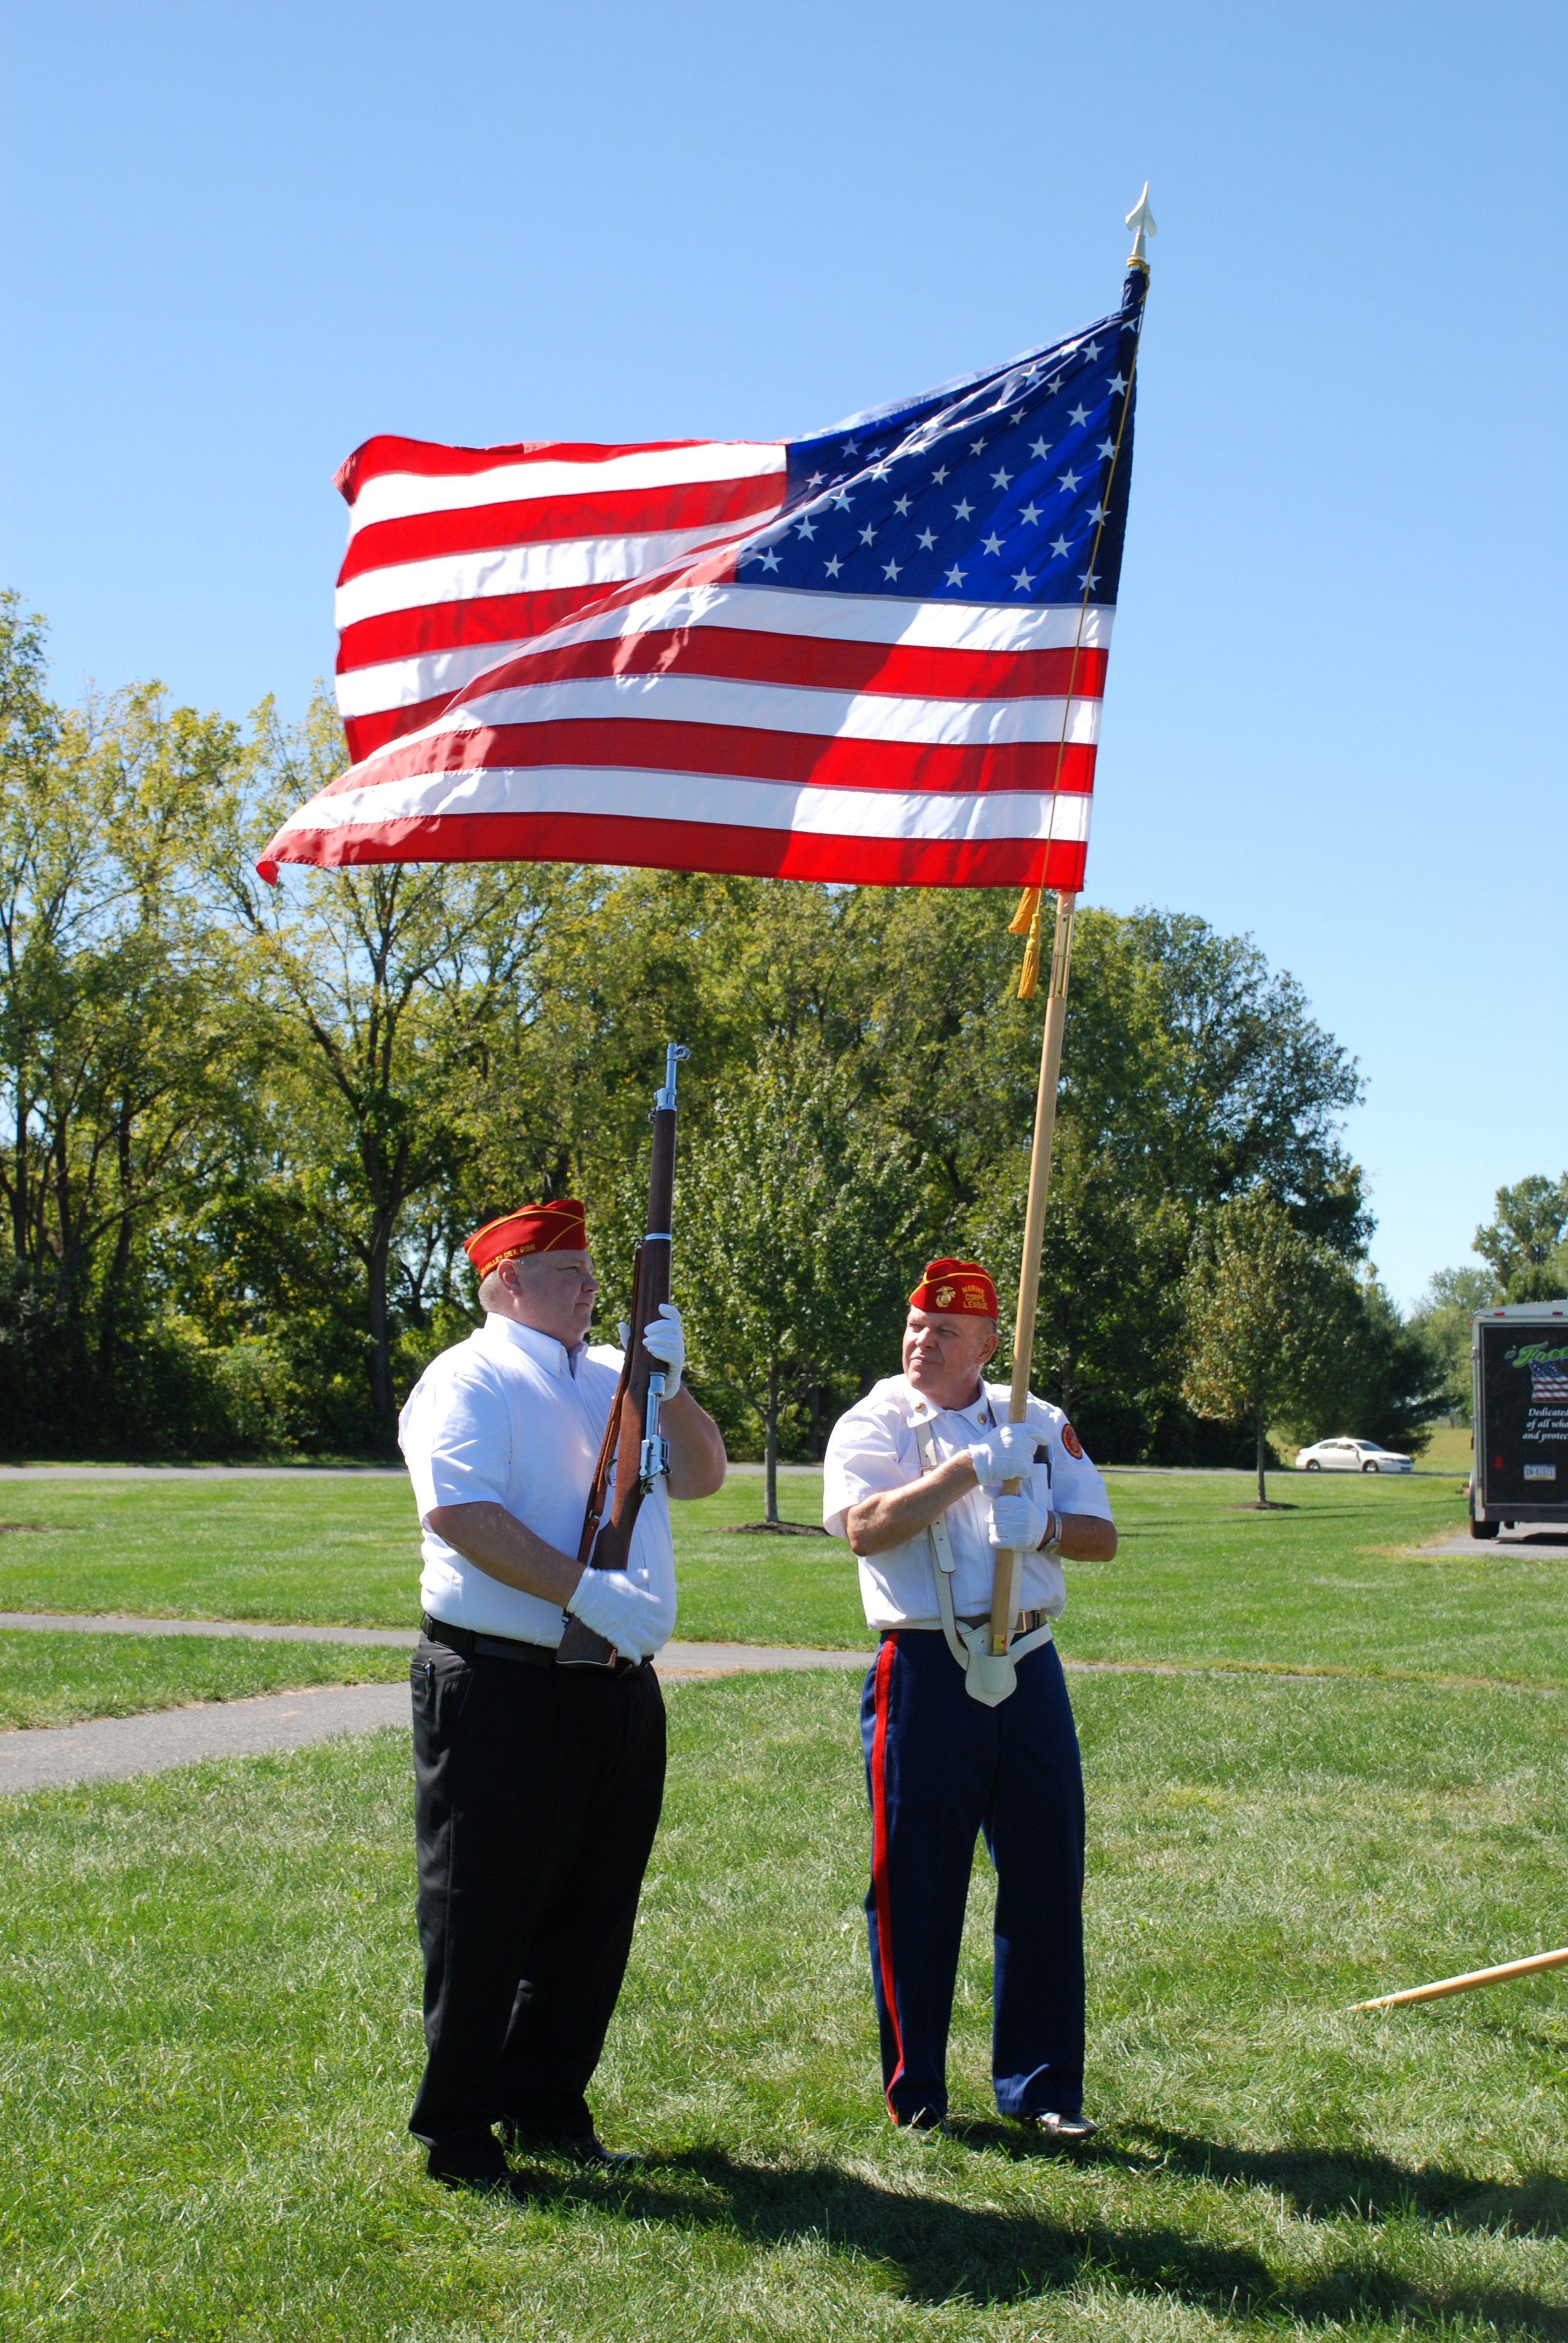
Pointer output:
x,y
1025,922
1029,976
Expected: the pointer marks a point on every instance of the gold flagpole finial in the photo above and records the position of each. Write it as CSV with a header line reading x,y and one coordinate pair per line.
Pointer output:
x,y
1141,220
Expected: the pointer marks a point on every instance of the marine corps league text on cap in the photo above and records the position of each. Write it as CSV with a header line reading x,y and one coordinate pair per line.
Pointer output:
x,y
959,1289
560,1227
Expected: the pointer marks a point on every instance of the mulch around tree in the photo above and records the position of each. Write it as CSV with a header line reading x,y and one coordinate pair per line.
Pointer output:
x,y
773,1529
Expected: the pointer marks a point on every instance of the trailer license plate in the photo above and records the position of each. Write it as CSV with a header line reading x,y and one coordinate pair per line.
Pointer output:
x,y
1541,1472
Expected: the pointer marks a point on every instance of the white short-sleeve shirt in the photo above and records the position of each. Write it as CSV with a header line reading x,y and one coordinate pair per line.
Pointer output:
x,y
512,1418
872,1448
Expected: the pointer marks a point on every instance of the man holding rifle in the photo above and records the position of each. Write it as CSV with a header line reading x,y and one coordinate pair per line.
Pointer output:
x,y
538,1783
955,1742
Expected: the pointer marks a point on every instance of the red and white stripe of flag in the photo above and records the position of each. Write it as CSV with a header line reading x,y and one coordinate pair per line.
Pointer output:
x,y
545,655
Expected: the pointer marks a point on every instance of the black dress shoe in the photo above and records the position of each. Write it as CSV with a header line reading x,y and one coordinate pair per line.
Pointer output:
x,y
478,2163
582,2148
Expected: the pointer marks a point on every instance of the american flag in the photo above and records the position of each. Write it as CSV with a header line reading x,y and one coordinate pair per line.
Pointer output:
x,y
874,654
1549,1379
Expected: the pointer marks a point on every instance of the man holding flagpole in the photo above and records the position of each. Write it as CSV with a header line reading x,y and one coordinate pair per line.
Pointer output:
x,y
873,656
953,1745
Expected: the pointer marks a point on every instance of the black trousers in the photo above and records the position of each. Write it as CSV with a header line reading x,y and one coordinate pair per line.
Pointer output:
x,y
537,1797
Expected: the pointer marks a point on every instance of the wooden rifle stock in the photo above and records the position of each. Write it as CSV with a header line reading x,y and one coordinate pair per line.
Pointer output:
x,y
606,1545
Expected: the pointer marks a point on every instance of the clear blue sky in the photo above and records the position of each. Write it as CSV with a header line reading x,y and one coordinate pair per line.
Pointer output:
x,y
241,238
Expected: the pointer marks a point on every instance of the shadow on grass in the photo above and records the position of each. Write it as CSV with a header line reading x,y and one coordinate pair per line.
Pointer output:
x,y
1321,2183
942,2252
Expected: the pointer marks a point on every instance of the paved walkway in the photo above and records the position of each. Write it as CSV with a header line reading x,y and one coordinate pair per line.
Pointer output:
x,y
150,1743
1523,1539
43,1757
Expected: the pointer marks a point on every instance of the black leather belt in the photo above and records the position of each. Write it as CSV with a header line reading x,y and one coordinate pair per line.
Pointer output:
x,y
472,1646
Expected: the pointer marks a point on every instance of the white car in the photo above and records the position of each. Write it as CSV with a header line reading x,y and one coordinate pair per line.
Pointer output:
x,y
1352,1456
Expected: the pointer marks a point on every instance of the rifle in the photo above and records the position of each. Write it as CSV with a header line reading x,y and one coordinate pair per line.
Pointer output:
x,y
632,1429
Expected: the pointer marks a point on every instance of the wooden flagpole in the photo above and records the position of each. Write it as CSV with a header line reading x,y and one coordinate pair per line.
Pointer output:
x,y
1007,1577
1469,1981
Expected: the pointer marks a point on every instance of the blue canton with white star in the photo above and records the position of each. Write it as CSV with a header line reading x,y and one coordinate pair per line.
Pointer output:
x,y
1008,487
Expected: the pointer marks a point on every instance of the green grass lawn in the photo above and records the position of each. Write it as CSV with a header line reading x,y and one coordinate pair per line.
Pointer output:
x,y
1449,1450
1336,1582
342,1553
60,1676
209,2038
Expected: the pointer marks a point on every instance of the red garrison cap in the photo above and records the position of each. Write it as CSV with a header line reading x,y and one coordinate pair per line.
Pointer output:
x,y
560,1227
956,1289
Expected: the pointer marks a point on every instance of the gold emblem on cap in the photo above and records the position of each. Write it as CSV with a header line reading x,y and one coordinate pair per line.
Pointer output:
x,y
943,1296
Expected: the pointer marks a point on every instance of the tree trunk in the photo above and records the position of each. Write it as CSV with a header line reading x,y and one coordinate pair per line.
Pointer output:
x,y
119,1268
1262,1460
383,1415
770,1448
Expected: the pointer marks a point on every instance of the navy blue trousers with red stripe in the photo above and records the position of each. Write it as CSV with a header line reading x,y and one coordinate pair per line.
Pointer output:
x,y
941,1768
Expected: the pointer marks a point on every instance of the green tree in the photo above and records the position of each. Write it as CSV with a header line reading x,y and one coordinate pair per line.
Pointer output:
x,y
1271,1320
795,1225
1395,1379
1255,1088
393,988
1524,1244
126,1037
1108,1341
244,1133
1442,1316
1191,1070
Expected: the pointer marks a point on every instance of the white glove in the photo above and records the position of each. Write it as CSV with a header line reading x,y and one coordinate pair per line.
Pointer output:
x,y
1005,1453
1018,1526
663,1340
623,1613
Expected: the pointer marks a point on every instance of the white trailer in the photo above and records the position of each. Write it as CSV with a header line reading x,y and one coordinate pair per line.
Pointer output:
x,y
1518,1363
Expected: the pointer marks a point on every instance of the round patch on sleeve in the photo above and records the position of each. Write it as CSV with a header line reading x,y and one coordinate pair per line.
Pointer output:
x,y
1070,1441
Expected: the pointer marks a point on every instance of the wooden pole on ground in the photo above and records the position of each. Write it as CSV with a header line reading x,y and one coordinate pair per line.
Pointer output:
x,y
1009,1571
1468,1982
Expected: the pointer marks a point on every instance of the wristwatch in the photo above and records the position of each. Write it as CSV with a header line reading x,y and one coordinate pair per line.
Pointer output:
x,y
1051,1541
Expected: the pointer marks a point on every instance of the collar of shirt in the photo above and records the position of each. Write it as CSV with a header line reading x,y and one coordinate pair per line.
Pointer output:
x,y
977,1413
505,1334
